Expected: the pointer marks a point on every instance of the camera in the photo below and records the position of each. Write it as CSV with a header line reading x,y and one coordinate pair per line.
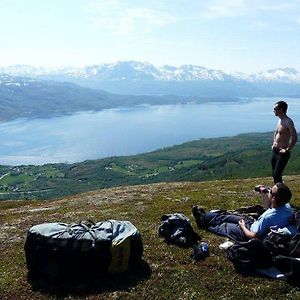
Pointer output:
x,y
262,189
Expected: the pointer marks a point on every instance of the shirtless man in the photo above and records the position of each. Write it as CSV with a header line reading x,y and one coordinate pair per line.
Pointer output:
x,y
285,138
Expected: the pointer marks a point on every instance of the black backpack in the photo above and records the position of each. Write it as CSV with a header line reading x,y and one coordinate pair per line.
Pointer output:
x,y
250,255
289,266
286,252
176,229
283,244
84,251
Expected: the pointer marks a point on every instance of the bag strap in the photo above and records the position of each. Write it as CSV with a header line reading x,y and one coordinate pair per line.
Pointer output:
x,y
297,236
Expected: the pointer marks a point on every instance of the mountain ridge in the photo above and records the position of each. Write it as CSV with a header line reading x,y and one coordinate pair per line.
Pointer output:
x,y
134,70
138,78
34,97
49,92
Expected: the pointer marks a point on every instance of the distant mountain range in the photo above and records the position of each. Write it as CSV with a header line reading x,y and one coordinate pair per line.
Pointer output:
x,y
27,91
31,98
137,78
133,70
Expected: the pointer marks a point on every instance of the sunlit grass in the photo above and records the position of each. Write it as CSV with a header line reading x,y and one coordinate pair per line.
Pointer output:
x,y
173,275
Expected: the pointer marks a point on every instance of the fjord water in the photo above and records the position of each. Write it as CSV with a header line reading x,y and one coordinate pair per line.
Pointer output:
x,y
125,131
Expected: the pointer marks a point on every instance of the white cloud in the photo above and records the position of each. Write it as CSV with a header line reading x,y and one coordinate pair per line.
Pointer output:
x,y
101,13
279,7
124,19
220,8
133,18
142,20
230,8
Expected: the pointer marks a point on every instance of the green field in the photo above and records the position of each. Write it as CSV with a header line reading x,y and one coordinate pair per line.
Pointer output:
x,y
242,156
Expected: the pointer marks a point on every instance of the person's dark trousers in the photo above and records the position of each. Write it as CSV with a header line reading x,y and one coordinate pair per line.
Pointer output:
x,y
224,224
279,161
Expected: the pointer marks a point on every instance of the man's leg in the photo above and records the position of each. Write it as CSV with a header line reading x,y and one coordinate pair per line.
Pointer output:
x,y
275,157
224,224
279,162
204,219
230,230
217,218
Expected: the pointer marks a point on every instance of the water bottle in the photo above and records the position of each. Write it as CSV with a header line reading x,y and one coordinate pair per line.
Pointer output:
x,y
204,249
200,251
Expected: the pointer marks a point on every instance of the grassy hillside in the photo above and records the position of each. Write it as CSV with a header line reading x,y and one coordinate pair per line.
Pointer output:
x,y
242,156
170,273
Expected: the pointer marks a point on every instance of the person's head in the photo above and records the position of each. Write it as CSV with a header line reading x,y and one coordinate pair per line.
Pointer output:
x,y
281,194
280,107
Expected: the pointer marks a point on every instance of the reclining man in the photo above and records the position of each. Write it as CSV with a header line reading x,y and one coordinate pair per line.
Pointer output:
x,y
278,213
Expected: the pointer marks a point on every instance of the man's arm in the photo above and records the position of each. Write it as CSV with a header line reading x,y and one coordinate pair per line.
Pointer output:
x,y
266,200
293,139
249,234
274,138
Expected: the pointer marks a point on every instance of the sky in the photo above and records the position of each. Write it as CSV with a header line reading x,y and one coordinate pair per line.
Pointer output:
x,y
230,35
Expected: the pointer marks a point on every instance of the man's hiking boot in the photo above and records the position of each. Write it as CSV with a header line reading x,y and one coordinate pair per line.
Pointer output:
x,y
199,213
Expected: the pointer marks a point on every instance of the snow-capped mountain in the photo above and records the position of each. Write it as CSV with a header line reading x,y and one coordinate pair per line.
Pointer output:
x,y
9,80
64,90
140,78
32,71
281,74
133,70
125,70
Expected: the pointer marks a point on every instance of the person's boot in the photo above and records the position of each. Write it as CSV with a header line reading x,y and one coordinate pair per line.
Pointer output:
x,y
198,213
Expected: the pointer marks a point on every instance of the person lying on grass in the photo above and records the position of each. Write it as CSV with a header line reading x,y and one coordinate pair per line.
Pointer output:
x,y
278,213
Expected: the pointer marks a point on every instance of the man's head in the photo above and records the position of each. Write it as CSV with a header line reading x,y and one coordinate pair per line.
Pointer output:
x,y
281,193
280,107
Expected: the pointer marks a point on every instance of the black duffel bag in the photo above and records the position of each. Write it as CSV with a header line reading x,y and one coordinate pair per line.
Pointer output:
x,y
84,251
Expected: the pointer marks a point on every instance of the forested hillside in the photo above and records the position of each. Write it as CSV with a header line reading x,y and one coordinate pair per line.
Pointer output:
x,y
242,156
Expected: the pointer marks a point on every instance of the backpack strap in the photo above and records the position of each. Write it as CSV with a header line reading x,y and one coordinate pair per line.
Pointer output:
x,y
296,237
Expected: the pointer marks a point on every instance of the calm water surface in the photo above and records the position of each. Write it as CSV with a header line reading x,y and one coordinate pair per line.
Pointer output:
x,y
124,131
